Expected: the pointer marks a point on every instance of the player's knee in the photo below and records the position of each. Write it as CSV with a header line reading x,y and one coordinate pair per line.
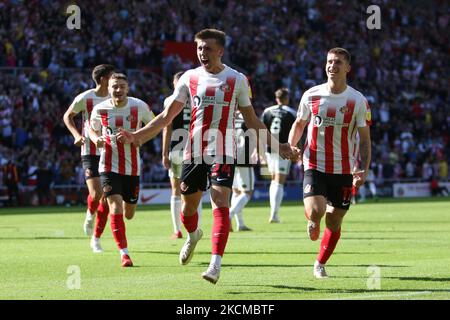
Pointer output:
x,y
313,213
96,195
188,210
333,222
129,215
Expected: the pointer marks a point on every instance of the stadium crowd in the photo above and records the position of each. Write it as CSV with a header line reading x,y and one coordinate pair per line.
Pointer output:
x,y
402,69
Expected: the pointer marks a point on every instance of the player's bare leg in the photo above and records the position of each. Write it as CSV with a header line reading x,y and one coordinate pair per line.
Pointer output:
x,y
276,192
220,196
189,218
95,194
129,209
116,208
315,208
175,208
331,235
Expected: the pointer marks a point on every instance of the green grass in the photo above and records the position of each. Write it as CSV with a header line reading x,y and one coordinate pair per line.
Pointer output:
x,y
408,241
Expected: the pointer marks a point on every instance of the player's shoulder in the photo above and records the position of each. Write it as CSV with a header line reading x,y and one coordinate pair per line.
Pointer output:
x,y
168,100
316,90
357,95
289,110
103,105
90,93
191,72
235,73
133,101
271,108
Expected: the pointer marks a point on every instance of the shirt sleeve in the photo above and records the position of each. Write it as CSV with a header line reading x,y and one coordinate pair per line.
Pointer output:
x,y
168,101
95,120
244,94
147,113
181,92
78,105
304,112
364,116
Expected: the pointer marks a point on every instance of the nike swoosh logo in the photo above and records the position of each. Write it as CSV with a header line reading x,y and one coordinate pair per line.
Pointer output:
x,y
216,234
221,179
147,199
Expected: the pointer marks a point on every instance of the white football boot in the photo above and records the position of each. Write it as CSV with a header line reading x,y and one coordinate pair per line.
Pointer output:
x,y
187,251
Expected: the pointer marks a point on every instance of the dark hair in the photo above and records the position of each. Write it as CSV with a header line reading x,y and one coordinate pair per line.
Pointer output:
x,y
282,93
342,51
119,76
178,75
212,34
100,71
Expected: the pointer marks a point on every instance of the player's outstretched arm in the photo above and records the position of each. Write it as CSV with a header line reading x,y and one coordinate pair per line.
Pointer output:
x,y
253,122
295,135
152,128
70,124
167,134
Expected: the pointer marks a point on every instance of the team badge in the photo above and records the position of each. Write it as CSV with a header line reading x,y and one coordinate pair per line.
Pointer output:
x,y
344,109
225,87
107,188
131,118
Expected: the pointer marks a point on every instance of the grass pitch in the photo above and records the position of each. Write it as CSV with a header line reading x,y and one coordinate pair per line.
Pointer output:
x,y
388,250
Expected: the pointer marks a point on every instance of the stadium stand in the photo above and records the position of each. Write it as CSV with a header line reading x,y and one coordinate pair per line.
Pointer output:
x,y
402,69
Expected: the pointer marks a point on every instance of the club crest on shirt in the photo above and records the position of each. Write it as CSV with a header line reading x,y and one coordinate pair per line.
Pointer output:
x,y
107,188
344,109
225,87
131,118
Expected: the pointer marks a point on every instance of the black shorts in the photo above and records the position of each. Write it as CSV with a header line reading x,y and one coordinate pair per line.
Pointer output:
x,y
126,186
200,176
336,188
90,166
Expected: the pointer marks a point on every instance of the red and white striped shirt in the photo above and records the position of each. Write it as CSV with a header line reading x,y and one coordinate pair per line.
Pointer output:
x,y
85,103
333,122
214,99
117,157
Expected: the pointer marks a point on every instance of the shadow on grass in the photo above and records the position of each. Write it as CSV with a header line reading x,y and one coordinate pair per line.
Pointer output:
x,y
434,279
44,238
327,291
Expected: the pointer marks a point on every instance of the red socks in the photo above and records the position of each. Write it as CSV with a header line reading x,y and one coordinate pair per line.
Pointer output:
x,y
92,205
189,222
329,241
101,219
118,230
220,230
